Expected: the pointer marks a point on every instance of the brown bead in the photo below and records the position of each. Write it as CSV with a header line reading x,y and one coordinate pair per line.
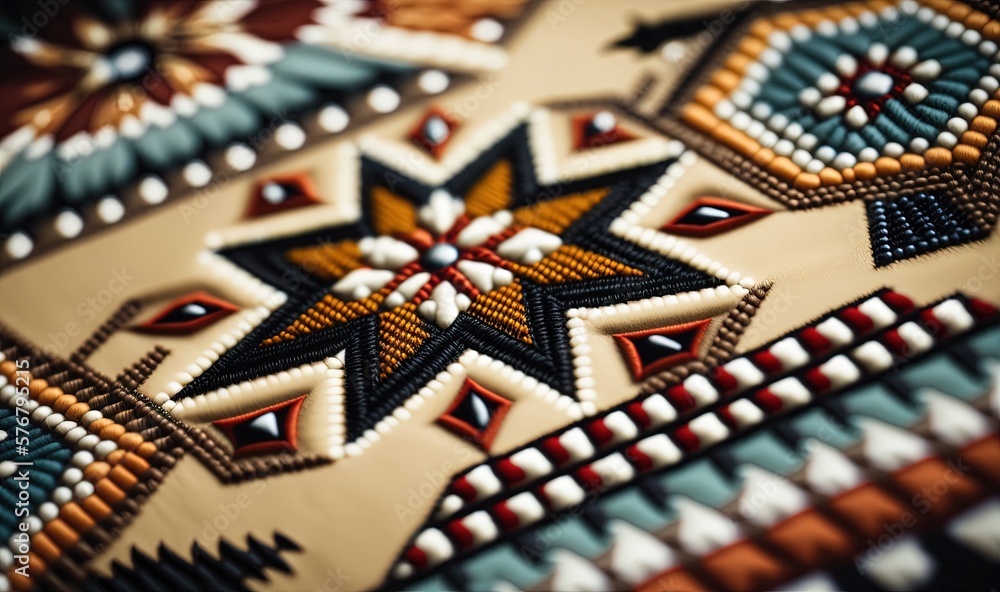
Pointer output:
x,y
8,368
115,456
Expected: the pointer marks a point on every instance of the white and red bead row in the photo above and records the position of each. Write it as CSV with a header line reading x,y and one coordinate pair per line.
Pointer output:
x,y
578,444
435,545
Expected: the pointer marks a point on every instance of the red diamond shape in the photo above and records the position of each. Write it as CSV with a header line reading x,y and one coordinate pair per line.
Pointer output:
x,y
477,413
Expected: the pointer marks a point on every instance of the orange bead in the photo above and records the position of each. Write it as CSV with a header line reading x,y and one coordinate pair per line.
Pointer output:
x,y
700,118
912,162
97,425
784,168
63,403
958,12
112,432
49,395
123,477
967,154
146,449
77,410
865,171
807,181
736,139
763,157
974,139
42,544
109,492
888,166
976,20
96,471
96,507
938,157
983,125
135,463
129,441
37,386
76,517
829,176
61,533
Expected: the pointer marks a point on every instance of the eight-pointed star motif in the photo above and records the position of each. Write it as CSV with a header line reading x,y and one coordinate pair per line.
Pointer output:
x,y
432,261
490,260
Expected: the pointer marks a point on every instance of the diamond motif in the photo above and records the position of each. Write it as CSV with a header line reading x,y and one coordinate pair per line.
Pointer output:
x,y
476,413
709,216
649,352
282,193
188,314
270,429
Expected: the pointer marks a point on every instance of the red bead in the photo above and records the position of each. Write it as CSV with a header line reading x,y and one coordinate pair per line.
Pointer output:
x,y
768,401
510,472
680,398
813,340
768,362
897,302
686,439
857,320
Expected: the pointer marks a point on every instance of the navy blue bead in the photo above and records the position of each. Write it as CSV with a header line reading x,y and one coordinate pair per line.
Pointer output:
x,y
914,225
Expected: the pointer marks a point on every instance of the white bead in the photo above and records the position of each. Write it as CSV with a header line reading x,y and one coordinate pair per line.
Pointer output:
x,y
68,224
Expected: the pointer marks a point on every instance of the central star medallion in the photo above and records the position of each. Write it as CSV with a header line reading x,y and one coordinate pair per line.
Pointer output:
x,y
489,261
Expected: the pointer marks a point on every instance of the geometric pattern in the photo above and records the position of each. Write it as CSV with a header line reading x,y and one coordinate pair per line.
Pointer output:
x,y
823,97
227,569
551,245
842,367
910,226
